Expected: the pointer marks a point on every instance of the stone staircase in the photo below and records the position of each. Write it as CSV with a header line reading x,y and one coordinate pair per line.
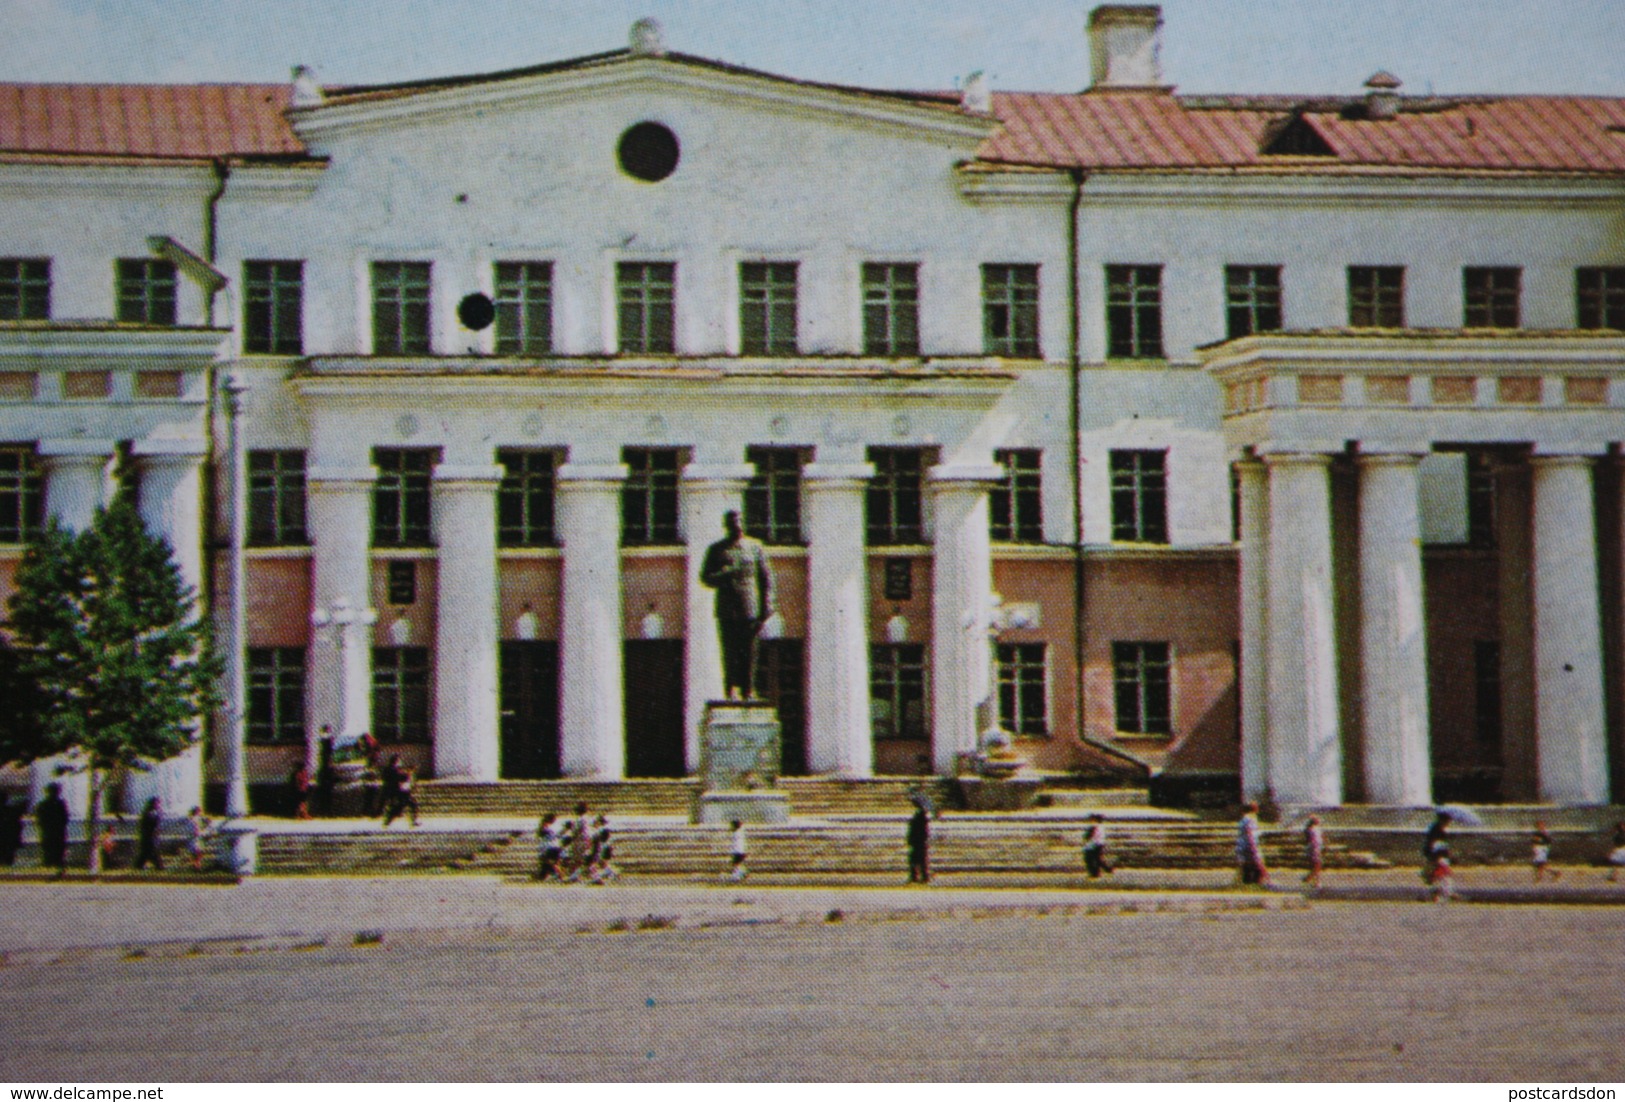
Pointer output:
x,y
378,851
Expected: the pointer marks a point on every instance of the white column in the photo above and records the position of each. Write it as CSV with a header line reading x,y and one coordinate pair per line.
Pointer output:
x,y
1571,742
961,606
171,505
1393,634
340,522
1305,754
466,741
709,491
592,738
840,736
1255,781
75,487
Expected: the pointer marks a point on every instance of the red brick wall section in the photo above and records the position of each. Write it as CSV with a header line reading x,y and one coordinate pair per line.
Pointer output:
x,y
278,602
534,582
420,614
653,584
1047,583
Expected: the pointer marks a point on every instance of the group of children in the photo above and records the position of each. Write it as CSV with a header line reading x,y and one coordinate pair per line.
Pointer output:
x,y
575,849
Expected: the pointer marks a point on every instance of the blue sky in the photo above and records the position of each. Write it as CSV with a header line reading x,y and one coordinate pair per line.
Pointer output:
x,y
1209,45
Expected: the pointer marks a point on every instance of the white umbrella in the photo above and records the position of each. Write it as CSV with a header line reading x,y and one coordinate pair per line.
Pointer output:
x,y
1456,813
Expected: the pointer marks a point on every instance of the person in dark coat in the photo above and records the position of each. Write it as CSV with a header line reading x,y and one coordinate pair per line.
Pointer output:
x,y
11,829
919,847
51,816
146,836
736,567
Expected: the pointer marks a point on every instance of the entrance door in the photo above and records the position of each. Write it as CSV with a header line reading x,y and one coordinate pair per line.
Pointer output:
x,y
654,708
530,709
780,679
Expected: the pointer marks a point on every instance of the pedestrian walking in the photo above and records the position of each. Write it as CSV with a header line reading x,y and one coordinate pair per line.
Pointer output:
x,y
738,851
199,830
1540,853
398,791
577,844
603,853
1095,860
11,829
1436,869
51,817
299,790
1314,845
107,845
1249,850
549,847
1616,856
146,836
919,847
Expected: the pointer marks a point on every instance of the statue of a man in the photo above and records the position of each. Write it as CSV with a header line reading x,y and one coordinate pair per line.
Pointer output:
x,y
736,567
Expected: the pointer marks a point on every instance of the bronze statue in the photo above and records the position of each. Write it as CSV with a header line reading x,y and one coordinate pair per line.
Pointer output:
x,y
736,567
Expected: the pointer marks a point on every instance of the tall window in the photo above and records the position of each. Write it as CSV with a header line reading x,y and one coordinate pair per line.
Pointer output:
x,y
648,310
276,694
146,291
22,494
1490,297
1134,311
400,694
525,499
400,308
1377,297
897,690
1599,298
1487,691
1016,504
274,307
894,511
1023,704
767,309
524,304
1480,501
1252,299
25,289
773,496
1139,496
400,497
1010,310
891,309
276,498
1140,674
649,497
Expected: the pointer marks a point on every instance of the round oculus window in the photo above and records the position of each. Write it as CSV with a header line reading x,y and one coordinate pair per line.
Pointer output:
x,y
648,152
476,312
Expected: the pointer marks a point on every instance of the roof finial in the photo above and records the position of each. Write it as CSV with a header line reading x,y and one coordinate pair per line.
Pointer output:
x,y
306,91
648,38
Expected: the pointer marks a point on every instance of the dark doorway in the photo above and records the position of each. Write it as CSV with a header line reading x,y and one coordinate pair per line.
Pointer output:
x,y
654,708
530,710
780,678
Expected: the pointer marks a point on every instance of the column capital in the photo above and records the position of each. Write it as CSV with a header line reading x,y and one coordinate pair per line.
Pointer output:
x,y
161,451
479,476
69,450
832,476
586,475
1296,459
338,476
720,476
964,476
1388,459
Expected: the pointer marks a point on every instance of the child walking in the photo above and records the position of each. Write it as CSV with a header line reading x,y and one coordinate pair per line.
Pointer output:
x,y
1314,843
1540,855
737,851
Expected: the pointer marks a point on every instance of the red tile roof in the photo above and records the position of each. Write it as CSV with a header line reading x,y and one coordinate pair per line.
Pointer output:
x,y
1098,131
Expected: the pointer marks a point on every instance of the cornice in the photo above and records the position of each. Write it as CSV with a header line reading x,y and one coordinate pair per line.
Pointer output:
x,y
1047,188
28,345
1419,352
145,181
1296,189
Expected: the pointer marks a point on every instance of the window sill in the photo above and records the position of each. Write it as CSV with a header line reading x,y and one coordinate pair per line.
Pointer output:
x,y
276,551
1139,736
419,552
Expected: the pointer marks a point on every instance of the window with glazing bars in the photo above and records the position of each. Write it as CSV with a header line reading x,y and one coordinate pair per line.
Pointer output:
x,y
1490,297
1023,702
648,307
25,290
1139,496
1134,311
1376,297
1480,501
773,495
1016,504
894,503
276,499
649,497
525,498
400,694
524,305
1599,296
891,309
1140,674
1252,299
401,498
1010,310
146,291
274,307
400,308
897,691
276,694
1487,691
767,309
22,494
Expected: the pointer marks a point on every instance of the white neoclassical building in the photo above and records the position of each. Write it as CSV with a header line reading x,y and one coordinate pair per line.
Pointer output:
x,y
1228,439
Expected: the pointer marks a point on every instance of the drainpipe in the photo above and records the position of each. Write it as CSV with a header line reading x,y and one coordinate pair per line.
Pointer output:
x,y
1075,414
210,480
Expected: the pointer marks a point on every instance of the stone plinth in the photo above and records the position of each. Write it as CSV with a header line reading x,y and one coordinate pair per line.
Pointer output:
x,y
1012,793
747,807
739,761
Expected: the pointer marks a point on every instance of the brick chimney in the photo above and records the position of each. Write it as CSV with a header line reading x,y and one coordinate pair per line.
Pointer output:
x,y
1382,95
1125,44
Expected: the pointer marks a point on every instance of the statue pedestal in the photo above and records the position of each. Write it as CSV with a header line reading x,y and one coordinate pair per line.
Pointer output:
x,y
739,761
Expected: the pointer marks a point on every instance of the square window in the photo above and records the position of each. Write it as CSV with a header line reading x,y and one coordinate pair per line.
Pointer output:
x,y
1252,296
1134,311
146,291
1376,297
400,308
1599,298
25,289
891,309
524,308
273,307
1010,310
1491,297
647,295
767,309
1139,496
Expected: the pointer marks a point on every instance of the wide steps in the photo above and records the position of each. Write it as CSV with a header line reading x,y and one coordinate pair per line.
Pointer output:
x,y
377,851
529,799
